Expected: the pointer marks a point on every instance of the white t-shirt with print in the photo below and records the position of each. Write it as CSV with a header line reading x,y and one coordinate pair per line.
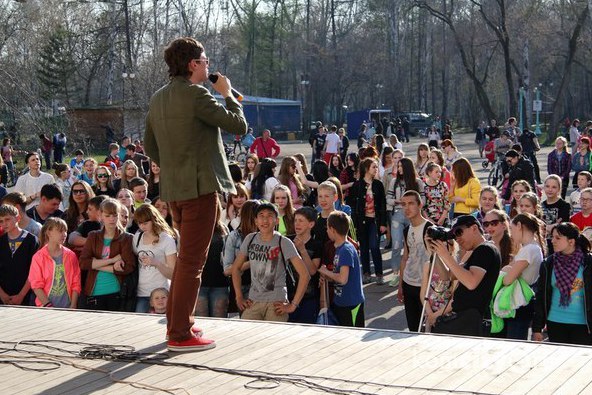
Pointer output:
x,y
532,254
418,255
150,277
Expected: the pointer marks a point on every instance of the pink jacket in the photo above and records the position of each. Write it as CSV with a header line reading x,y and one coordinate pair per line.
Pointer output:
x,y
42,271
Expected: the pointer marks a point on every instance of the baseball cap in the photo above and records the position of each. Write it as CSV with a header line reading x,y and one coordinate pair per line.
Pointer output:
x,y
466,221
267,206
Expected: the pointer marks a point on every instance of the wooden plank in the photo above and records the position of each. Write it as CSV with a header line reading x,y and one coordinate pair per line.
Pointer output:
x,y
374,367
509,365
556,379
539,371
283,363
177,375
399,359
108,330
238,334
441,366
99,332
580,380
259,358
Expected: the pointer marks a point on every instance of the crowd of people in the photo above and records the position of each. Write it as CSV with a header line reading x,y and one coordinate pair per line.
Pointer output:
x,y
296,241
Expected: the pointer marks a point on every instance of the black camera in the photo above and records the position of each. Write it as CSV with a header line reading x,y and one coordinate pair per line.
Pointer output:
x,y
440,233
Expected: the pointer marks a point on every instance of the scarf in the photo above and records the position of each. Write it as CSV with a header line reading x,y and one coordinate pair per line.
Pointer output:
x,y
566,269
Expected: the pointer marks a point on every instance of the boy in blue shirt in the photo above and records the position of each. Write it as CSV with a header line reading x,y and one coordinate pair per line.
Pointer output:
x,y
348,301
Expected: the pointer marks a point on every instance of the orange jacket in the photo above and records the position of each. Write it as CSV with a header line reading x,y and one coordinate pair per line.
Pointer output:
x,y
43,267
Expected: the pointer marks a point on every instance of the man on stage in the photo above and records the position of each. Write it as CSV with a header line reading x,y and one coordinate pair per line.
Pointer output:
x,y
183,137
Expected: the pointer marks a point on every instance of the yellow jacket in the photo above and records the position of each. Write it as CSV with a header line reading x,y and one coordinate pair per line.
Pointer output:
x,y
470,191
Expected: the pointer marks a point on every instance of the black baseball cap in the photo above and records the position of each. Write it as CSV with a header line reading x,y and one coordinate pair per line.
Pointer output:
x,y
466,221
267,206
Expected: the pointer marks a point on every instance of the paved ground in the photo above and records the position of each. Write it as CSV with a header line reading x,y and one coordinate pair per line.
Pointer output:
x,y
383,311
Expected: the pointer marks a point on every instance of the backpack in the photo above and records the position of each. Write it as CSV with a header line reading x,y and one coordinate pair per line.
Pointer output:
x,y
289,273
248,140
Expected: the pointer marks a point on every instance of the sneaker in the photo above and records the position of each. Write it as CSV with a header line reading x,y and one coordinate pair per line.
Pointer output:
x,y
191,344
366,279
197,332
379,280
395,281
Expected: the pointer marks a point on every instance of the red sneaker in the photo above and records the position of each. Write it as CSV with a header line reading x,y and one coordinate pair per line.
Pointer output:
x,y
197,332
192,344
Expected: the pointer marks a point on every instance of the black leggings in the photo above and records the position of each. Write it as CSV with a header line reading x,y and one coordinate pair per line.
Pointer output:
x,y
413,306
349,315
568,333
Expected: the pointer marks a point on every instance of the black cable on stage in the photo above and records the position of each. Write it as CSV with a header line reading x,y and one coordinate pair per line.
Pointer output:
x,y
127,354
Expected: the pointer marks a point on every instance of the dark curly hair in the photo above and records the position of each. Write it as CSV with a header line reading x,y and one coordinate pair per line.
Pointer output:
x,y
179,53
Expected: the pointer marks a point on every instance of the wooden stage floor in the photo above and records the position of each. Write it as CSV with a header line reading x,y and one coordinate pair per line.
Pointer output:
x,y
284,358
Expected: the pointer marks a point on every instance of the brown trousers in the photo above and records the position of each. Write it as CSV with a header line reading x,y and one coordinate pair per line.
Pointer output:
x,y
196,219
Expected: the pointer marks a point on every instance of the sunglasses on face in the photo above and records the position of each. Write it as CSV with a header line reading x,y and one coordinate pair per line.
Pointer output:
x,y
78,192
494,222
102,175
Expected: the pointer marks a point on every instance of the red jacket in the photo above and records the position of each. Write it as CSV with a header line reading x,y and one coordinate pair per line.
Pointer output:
x,y
265,149
42,272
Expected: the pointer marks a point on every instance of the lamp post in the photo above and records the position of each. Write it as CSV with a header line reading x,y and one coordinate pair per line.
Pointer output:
x,y
520,108
304,84
379,88
125,76
537,106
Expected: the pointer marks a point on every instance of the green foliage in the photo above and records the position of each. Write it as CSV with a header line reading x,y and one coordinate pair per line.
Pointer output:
x,y
56,66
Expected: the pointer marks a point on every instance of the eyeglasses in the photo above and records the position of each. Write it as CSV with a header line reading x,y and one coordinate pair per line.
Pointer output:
x,y
78,192
205,60
509,161
585,199
495,222
102,175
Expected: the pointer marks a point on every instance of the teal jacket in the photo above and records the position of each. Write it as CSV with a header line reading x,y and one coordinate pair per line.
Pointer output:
x,y
506,299
183,136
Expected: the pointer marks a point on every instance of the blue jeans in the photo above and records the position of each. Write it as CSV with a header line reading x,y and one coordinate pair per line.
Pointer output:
x,y
398,223
11,172
370,243
212,302
142,304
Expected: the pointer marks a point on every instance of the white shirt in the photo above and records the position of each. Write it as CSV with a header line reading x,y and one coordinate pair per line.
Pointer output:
x,y
150,277
270,184
532,254
30,185
333,142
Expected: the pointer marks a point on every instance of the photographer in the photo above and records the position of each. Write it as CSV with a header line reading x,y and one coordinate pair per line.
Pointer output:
x,y
476,276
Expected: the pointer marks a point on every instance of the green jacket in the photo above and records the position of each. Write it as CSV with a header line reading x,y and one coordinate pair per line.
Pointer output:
x,y
183,137
506,299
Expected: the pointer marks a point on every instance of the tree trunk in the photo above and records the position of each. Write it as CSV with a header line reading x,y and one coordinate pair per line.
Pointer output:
x,y
572,49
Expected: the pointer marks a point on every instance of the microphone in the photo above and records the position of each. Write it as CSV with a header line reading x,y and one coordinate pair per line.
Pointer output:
x,y
239,96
